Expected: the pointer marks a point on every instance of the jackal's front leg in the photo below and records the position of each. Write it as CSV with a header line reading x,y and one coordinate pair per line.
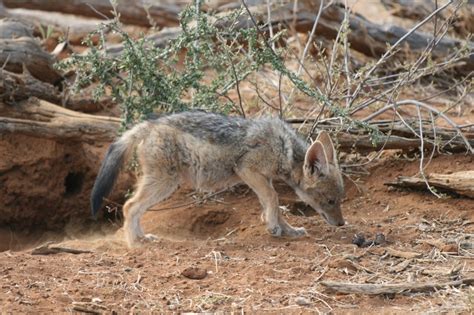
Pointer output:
x,y
290,230
268,198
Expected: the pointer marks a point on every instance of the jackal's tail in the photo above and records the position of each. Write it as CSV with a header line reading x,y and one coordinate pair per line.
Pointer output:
x,y
114,158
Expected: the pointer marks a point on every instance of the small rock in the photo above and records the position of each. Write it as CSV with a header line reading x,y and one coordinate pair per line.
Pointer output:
x,y
96,300
302,301
194,273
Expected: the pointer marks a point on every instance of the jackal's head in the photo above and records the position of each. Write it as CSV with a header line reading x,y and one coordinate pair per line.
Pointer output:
x,y
321,185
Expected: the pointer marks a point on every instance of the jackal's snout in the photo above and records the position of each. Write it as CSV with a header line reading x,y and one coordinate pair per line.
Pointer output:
x,y
335,218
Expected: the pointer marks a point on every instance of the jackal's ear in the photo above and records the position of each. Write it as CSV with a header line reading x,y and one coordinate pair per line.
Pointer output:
x,y
325,139
316,160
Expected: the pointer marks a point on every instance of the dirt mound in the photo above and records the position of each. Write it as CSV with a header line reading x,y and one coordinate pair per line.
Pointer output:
x,y
45,183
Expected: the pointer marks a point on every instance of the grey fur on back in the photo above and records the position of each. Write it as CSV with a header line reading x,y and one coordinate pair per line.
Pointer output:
x,y
220,144
205,148
214,128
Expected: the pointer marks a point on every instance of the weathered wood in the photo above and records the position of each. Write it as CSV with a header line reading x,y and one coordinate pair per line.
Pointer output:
x,y
463,24
47,249
402,254
42,119
74,27
461,183
369,38
22,53
412,9
57,122
401,137
16,87
164,13
12,28
363,143
393,288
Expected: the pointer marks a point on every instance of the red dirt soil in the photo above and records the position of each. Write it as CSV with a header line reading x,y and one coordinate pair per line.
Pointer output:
x,y
248,270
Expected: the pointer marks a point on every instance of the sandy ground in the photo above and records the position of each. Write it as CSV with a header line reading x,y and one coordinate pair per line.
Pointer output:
x,y
245,269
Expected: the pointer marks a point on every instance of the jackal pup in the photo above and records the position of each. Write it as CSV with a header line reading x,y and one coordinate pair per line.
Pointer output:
x,y
210,152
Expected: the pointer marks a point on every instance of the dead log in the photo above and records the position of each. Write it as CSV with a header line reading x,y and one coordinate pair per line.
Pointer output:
x,y
411,9
11,28
460,183
25,53
393,288
164,13
37,118
395,136
76,29
47,249
16,87
364,143
463,23
369,38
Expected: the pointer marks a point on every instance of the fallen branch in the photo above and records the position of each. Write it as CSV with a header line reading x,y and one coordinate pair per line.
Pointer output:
x,y
369,38
410,9
26,53
46,249
89,307
55,122
393,288
133,12
395,135
16,87
76,29
10,28
461,183
402,254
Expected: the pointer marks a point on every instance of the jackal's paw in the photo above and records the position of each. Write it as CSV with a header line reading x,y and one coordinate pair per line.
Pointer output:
x,y
149,238
296,232
276,231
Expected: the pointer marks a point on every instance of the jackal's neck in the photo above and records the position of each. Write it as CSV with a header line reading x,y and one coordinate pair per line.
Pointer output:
x,y
299,151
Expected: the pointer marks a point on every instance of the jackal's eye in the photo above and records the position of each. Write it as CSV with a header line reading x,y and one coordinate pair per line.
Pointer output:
x,y
331,202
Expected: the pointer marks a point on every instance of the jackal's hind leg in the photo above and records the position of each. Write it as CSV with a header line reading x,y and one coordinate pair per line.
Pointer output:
x,y
150,191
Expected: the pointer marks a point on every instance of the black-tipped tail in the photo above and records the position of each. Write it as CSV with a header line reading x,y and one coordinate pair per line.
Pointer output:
x,y
107,176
